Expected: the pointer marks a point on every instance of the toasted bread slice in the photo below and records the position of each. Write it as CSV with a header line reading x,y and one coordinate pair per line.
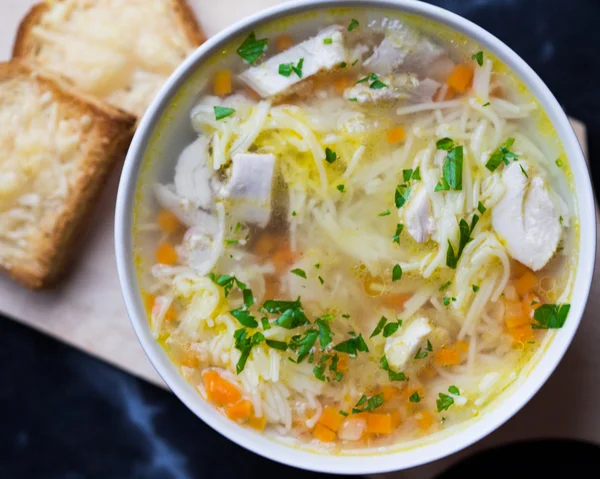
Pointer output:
x,y
119,51
56,149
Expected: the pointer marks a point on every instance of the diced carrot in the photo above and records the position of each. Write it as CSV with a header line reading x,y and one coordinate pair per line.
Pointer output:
x,y
522,334
283,257
149,302
425,420
460,78
389,392
257,423
396,300
168,222
341,83
514,316
166,254
283,42
396,135
461,346
379,423
396,419
343,363
189,359
240,411
222,83
331,418
323,433
526,283
447,357
220,390
170,315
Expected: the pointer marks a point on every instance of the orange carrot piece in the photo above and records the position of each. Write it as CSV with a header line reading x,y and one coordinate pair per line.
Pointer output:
x,y
379,423
257,423
240,411
341,83
514,316
331,418
396,419
526,283
222,83
428,372
166,254
460,78
447,357
389,392
396,135
283,42
168,222
425,420
343,363
220,390
522,334
396,300
323,433
461,346
519,269
149,300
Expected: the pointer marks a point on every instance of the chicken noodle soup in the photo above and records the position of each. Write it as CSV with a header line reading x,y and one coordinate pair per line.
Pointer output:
x,y
370,236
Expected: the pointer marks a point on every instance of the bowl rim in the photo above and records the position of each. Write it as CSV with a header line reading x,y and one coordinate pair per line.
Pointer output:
x,y
373,462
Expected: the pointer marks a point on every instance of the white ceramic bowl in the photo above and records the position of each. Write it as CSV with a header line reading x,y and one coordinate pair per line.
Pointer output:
x,y
174,102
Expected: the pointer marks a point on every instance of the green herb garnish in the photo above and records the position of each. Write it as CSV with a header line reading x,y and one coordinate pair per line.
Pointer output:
x,y
482,209
341,188
384,213
444,402
475,288
379,327
414,397
299,272
396,237
251,48
327,41
352,346
465,237
330,155
445,144
501,155
551,316
454,390
353,24
401,195
478,57
396,272
325,334
222,112
369,404
280,345
244,317
392,375
445,285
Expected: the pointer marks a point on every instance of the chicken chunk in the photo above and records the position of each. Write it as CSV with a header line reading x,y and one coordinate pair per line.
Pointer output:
x,y
418,216
192,174
187,212
526,218
401,346
316,56
250,185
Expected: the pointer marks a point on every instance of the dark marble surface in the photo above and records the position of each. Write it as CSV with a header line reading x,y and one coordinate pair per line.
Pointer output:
x,y
66,415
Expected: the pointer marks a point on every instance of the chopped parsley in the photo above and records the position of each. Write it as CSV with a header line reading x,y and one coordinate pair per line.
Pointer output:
x,y
406,175
294,213
317,265
330,155
396,272
346,316
238,227
501,155
445,144
280,345
343,65
286,69
401,195
327,41
482,209
352,99
486,104
299,272
391,328
251,48
302,344
377,85
352,346
265,323
478,57
343,413
248,297
453,168
423,353
384,213
523,171
417,174
392,375
369,404
341,188
272,306
444,402
399,228
319,372
353,24
244,317
559,162
244,343
231,242
227,282
551,316
222,112
414,397
379,327
321,280
465,236
475,288
454,390
325,334
445,285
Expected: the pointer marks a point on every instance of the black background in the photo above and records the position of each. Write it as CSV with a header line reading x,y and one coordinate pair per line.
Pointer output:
x,y
66,415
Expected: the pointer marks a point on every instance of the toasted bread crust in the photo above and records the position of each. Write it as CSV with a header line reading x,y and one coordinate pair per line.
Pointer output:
x,y
187,20
24,45
105,142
